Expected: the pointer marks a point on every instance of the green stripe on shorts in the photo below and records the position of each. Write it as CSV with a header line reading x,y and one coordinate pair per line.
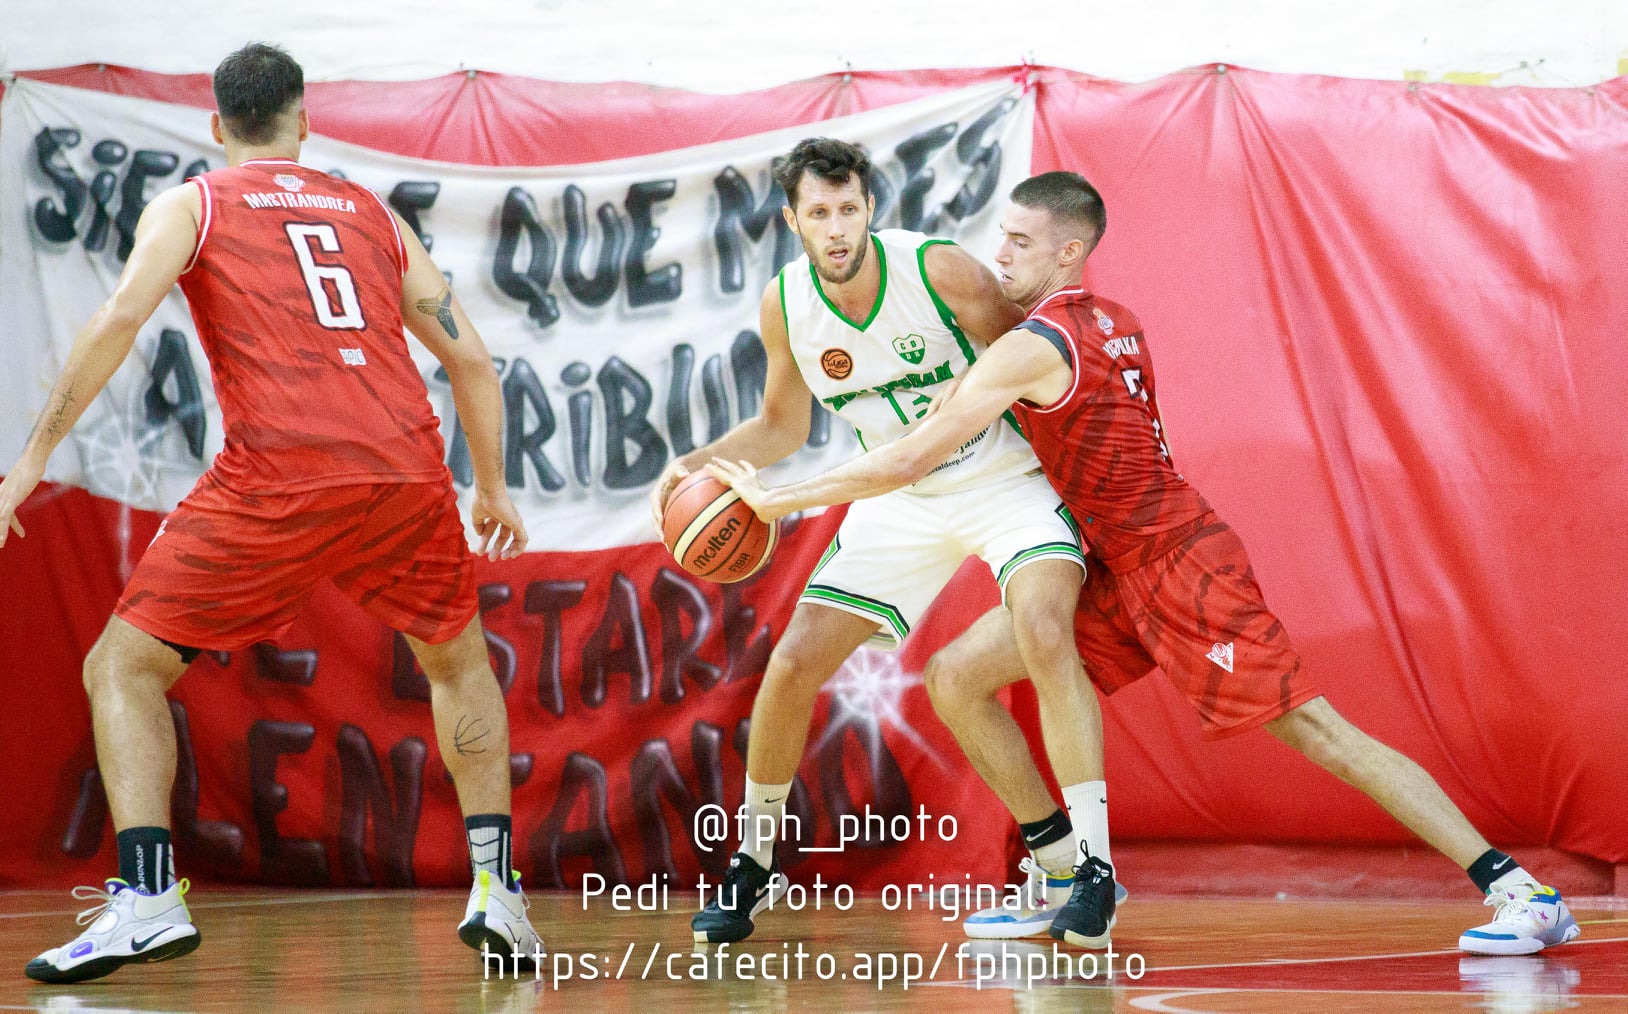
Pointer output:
x,y
1054,550
889,615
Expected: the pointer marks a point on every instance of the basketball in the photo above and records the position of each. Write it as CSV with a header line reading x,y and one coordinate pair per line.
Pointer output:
x,y
712,533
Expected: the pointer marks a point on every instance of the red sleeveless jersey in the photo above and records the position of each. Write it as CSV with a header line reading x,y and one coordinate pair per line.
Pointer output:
x,y
1102,443
295,289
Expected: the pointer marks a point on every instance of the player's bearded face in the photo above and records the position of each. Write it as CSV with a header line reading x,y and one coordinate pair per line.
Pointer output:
x,y
833,222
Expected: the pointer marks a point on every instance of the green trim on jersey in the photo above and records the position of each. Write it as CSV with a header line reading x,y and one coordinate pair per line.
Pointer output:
x,y
944,312
885,613
1057,550
785,318
1011,420
881,290
861,437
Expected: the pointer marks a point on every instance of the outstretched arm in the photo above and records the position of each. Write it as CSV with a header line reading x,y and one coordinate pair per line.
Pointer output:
x,y
165,239
1020,366
434,315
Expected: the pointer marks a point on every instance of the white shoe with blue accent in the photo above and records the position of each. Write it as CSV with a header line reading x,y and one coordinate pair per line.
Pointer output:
x,y
127,927
1031,913
1529,919
495,923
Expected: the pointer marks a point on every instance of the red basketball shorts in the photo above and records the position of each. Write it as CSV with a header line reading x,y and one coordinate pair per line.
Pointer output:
x,y
228,569
1196,612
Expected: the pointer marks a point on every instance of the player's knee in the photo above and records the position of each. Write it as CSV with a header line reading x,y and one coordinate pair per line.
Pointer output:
x,y
1046,642
948,681
1326,738
797,661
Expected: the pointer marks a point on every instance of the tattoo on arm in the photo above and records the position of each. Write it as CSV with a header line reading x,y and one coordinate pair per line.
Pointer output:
x,y
52,423
469,732
440,307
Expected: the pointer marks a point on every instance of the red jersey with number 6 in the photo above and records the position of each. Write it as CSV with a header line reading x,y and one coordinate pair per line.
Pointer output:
x,y
295,289
1102,443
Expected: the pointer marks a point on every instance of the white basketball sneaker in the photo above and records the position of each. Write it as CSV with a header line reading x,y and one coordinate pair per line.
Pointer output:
x,y
128,926
1042,895
495,922
1528,920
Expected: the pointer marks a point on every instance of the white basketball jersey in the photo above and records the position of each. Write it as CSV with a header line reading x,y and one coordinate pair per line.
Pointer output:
x,y
880,374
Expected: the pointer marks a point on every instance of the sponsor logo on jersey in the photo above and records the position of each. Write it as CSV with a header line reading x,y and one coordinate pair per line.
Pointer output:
x,y
353,357
1221,655
912,348
288,181
836,363
1103,321
942,373
1116,347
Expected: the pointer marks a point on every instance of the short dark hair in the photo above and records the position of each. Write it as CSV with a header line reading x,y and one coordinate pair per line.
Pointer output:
x,y
254,87
827,158
1067,197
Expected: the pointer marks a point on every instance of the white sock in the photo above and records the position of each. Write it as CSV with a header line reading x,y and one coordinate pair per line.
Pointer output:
x,y
764,806
1087,804
1517,882
1059,857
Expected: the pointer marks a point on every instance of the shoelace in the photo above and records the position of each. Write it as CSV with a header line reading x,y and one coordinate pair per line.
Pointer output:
x,y
1509,907
1035,880
86,893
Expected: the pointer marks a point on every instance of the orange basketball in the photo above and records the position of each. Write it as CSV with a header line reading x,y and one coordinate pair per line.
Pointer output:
x,y
712,533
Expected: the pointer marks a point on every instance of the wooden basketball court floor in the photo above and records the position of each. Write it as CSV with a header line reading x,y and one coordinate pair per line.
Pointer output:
x,y
397,951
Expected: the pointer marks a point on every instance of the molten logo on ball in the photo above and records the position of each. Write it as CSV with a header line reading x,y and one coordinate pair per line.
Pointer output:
x,y
716,544
836,363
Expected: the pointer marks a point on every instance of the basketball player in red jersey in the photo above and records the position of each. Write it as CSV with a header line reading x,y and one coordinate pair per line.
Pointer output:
x,y
1168,582
300,284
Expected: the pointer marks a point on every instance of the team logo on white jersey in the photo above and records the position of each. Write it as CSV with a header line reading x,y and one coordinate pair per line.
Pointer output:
x,y
912,348
1105,322
288,181
353,357
1221,655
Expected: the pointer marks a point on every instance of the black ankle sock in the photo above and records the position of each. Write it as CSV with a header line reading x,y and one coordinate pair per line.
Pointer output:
x,y
146,860
1492,865
1040,833
489,837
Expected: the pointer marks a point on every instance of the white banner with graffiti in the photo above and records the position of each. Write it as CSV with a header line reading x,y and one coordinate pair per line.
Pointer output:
x,y
619,299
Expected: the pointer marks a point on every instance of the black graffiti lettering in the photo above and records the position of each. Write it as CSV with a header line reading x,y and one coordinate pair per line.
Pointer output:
x,y
211,844
523,389
676,599
819,425
666,283
579,413
655,778
712,392
622,621
552,844
409,197
629,424
678,401
746,643
57,225
197,167
145,164
458,460
598,290
407,679
750,365
738,213
889,793
983,159
519,218
550,599
272,663
171,360
914,155
362,792
102,188
282,860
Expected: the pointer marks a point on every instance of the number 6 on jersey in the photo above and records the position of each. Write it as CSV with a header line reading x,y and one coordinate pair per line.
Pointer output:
x,y
333,292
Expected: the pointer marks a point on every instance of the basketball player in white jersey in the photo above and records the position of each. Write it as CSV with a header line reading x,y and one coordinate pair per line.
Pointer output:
x,y
877,325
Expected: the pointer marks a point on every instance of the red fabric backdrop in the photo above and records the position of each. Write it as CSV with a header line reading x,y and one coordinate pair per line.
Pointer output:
x,y
1389,322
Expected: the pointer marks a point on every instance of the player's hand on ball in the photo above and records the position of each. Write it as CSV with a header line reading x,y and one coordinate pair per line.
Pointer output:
x,y
665,482
502,533
741,477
